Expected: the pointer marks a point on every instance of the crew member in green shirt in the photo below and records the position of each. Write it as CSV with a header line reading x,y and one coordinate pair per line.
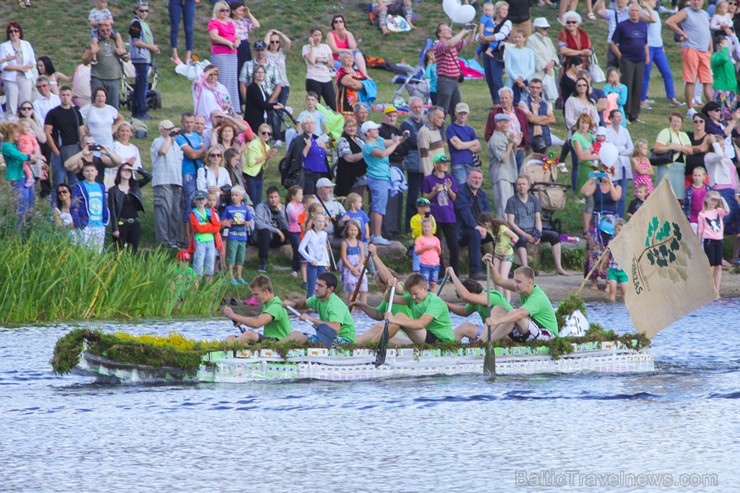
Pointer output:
x,y
332,311
471,292
429,320
273,317
535,317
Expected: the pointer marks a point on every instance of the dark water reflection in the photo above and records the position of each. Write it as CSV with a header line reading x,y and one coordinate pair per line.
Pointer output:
x,y
429,434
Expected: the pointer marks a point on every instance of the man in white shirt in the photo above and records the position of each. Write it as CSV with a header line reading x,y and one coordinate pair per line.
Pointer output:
x,y
167,185
620,137
44,103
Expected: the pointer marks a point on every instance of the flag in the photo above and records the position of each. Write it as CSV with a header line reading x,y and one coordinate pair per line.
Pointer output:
x,y
669,274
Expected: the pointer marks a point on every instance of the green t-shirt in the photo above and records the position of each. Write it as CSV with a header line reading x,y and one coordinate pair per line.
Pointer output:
x,y
540,309
334,310
497,299
395,309
441,325
584,167
280,325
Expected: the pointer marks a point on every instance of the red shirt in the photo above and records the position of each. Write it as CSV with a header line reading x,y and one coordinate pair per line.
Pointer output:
x,y
448,64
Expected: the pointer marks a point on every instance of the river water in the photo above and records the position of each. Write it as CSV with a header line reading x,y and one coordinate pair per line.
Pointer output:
x,y
678,426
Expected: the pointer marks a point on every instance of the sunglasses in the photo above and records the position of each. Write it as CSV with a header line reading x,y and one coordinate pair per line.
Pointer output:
x,y
265,133
26,108
338,21
214,155
224,10
13,30
581,85
698,121
274,41
572,22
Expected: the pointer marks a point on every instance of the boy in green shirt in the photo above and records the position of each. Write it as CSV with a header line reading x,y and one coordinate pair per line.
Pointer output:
x,y
273,317
471,292
535,317
333,313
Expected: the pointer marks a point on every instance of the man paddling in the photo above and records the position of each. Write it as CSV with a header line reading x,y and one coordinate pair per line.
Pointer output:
x,y
535,317
273,317
472,293
333,313
429,320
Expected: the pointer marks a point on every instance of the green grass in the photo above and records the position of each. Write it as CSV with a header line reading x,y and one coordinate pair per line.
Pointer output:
x,y
59,29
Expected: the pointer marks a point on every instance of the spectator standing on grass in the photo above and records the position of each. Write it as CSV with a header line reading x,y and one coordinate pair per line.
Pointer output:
x,y
244,22
142,47
463,143
64,128
429,139
614,14
184,9
692,26
545,54
518,124
539,114
17,60
193,153
222,32
388,130
441,190
166,158
319,64
502,165
630,43
448,65
107,72
657,57
412,163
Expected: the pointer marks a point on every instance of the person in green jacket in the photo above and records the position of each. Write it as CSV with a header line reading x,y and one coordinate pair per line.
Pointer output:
x,y
725,83
14,160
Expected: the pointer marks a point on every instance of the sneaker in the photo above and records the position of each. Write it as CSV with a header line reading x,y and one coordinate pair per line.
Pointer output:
x,y
645,106
242,281
650,101
234,282
477,276
556,141
379,240
690,114
278,143
263,266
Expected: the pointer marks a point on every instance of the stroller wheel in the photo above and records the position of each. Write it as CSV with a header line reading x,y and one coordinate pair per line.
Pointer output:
x,y
154,100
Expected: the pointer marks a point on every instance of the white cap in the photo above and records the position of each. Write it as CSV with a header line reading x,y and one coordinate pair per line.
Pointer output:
x,y
368,125
324,182
601,131
541,22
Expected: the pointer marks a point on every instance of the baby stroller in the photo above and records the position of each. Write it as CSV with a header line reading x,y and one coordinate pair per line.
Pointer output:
x,y
153,96
551,194
413,81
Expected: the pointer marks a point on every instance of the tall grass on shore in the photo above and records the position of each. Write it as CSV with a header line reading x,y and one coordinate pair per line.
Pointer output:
x,y
47,277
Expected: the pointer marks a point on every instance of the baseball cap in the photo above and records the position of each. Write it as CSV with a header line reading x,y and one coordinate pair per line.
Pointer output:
x,y
541,22
440,158
260,45
390,109
462,108
324,182
422,202
501,117
166,125
200,194
369,125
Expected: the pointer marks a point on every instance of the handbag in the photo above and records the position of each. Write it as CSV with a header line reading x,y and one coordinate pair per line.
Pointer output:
x,y
662,158
597,75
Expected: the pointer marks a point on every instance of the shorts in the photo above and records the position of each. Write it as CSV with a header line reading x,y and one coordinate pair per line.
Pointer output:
x,y
696,66
314,339
533,333
261,338
617,275
713,249
588,206
430,338
505,258
378,195
430,273
236,252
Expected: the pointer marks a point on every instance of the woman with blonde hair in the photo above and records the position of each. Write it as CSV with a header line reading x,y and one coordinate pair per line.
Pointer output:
x,y
224,44
256,160
213,177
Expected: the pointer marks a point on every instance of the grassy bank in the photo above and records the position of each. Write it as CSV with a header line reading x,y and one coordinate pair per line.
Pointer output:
x,y
90,286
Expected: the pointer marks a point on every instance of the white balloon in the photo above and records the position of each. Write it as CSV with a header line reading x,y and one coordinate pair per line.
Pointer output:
x,y
608,154
463,14
450,6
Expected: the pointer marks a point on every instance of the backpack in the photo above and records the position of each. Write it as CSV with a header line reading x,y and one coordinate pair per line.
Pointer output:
x,y
290,166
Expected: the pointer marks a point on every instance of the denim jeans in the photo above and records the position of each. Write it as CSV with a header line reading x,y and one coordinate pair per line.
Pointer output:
x,y
59,173
254,189
188,194
138,101
186,10
204,258
430,273
624,182
26,195
312,273
658,58
494,76
414,180
295,241
460,173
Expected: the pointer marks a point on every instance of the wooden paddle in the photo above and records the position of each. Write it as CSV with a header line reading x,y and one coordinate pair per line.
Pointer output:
x,y
489,362
383,346
359,281
324,333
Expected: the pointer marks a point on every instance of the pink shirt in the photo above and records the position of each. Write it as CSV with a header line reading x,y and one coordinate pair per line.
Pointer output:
x,y
429,257
27,144
294,211
710,224
226,31
697,202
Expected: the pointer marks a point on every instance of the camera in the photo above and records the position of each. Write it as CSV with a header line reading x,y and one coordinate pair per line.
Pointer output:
x,y
174,133
470,27
95,147
597,174
427,214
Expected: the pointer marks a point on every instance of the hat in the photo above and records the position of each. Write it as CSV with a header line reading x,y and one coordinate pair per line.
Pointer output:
x,y
324,182
166,125
369,125
462,108
440,158
260,45
200,194
601,131
500,117
390,109
422,202
541,22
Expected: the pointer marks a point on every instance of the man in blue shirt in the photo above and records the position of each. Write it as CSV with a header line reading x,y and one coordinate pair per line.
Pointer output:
x,y
470,203
463,143
193,151
630,43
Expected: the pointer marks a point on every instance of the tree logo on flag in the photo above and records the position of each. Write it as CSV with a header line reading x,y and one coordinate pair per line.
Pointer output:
x,y
666,253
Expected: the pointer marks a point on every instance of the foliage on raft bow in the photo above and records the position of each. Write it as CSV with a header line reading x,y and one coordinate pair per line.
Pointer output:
x,y
177,351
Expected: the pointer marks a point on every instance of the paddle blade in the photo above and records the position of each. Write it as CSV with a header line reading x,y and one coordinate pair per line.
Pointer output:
x,y
489,362
325,334
383,346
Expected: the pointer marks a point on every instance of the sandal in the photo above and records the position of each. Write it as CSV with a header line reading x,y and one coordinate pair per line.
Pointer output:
x,y
590,16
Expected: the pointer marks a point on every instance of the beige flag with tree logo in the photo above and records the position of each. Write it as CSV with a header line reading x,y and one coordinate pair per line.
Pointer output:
x,y
669,274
